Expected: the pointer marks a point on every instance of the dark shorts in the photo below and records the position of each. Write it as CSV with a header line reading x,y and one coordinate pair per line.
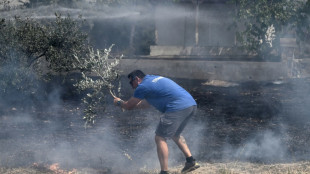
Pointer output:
x,y
172,124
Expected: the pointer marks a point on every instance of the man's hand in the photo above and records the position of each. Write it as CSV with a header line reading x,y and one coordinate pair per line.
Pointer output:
x,y
116,101
128,105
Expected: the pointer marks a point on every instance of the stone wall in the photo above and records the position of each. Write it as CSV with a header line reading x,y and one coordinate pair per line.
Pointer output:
x,y
184,62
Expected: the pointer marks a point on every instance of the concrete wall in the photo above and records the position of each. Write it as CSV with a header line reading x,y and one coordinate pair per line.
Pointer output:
x,y
233,71
233,52
210,63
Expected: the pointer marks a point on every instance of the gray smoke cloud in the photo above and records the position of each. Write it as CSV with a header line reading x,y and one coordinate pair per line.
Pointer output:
x,y
61,138
56,134
265,146
86,11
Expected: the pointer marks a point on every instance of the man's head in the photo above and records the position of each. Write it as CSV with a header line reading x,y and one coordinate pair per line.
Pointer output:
x,y
135,78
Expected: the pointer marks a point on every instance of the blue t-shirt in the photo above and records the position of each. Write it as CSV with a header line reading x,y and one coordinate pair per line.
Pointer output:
x,y
164,94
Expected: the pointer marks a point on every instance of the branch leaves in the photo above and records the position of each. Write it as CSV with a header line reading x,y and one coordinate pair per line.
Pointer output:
x,y
102,72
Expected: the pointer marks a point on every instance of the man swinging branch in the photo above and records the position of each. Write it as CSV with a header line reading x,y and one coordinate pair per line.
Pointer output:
x,y
177,106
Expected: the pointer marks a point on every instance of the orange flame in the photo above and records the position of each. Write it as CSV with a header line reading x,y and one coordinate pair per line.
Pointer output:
x,y
54,168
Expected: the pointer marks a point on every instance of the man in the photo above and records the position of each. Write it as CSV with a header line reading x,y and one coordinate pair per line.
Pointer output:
x,y
177,106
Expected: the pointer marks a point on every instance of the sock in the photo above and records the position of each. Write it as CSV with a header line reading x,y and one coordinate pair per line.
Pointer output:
x,y
190,159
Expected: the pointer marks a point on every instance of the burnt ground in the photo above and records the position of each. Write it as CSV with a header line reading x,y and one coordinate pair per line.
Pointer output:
x,y
261,122
257,122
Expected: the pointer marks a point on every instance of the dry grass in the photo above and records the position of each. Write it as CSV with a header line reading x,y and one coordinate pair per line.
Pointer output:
x,y
206,168
246,168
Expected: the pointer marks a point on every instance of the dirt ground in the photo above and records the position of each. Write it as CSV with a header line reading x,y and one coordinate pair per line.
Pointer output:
x,y
239,128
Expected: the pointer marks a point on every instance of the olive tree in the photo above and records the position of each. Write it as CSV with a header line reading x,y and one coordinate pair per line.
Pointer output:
x,y
64,48
16,76
55,41
26,44
262,23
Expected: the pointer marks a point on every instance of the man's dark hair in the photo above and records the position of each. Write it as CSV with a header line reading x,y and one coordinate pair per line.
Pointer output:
x,y
136,73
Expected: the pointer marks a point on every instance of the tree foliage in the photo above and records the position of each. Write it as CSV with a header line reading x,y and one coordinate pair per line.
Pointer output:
x,y
28,47
303,22
55,41
258,20
61,44
36,3
15,74
72,3
98,81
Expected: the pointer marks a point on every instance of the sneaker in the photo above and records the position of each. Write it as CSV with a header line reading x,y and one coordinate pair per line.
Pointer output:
x,y
164,172
190,167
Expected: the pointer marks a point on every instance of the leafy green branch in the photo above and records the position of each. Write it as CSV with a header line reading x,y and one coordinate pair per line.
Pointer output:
x,y
102,73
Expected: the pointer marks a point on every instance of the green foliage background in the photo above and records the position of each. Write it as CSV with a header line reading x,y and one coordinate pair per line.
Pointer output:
x,y
253,18
26,44
33,52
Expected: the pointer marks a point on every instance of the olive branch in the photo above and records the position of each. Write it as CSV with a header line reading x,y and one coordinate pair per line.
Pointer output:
x,y
101,72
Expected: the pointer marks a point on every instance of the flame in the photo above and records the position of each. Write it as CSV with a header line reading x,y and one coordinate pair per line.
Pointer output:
x,y
54,168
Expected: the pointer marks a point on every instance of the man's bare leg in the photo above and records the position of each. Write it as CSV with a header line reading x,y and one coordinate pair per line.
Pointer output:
x,y
190,164
162,152
180,141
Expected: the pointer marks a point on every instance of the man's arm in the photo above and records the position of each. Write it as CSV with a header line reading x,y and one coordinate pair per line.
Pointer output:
x,y
142,104
130,104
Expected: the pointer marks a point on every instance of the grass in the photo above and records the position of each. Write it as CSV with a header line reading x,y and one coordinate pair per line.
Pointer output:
x,y
206,168
246,168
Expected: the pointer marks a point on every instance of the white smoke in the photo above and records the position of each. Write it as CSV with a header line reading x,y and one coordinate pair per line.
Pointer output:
x,y
265,146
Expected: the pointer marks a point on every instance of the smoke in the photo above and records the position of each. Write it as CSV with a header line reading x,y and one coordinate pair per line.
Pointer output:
x,y
177,25
265,146
144,146
84,10
55,133
298,111
193,134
